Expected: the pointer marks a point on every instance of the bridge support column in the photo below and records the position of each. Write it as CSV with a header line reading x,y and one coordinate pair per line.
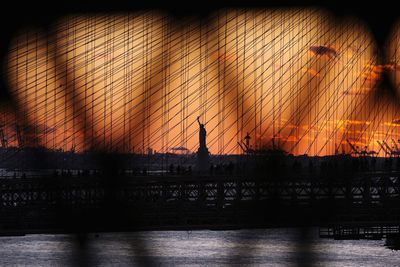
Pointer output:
x,y
367,190
202,194
349,194
238,190
220,195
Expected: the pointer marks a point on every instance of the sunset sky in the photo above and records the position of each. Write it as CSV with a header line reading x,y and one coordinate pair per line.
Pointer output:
x,y
129,82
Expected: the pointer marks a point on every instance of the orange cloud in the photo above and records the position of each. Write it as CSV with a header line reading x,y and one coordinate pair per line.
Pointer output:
x,y
357,91
373,72
311,71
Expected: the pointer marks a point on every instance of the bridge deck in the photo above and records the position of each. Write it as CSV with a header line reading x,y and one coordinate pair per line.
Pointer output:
x,y
68,203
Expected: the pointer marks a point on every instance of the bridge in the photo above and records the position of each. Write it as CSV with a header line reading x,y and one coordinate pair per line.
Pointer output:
x,y
74,204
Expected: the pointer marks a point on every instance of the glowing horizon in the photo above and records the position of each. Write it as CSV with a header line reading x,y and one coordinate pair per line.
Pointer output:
x,y
130,82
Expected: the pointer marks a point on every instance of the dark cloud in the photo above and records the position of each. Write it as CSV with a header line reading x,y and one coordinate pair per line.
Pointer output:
x,y
324,51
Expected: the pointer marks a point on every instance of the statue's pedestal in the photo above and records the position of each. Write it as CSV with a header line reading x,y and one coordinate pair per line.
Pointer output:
x,y
203,160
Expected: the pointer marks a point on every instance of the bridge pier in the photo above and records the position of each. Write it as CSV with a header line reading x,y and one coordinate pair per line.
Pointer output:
x,y
393,241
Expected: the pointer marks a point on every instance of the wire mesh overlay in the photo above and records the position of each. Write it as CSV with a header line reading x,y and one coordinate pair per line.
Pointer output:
x,y
137,82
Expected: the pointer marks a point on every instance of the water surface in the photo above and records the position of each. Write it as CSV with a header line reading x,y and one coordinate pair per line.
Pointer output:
x,y
271,247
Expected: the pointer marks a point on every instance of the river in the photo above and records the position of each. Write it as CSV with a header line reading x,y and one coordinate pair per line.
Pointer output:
x,y
270,247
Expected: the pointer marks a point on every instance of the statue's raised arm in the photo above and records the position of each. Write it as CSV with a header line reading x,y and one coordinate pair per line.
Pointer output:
x,y
198,120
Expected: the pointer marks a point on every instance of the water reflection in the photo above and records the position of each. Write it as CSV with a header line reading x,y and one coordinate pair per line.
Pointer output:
x,y
271,247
